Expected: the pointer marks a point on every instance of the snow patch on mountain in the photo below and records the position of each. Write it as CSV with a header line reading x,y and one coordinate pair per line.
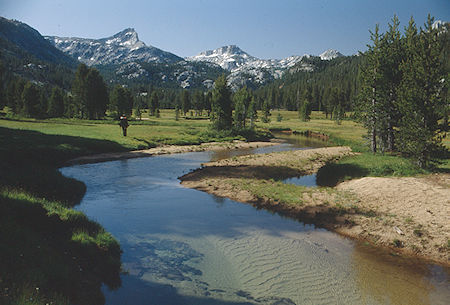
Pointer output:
x,y
330,54
123,47
246,69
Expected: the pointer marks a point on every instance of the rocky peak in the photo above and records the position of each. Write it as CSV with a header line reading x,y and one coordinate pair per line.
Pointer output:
x,y
126,37
330,54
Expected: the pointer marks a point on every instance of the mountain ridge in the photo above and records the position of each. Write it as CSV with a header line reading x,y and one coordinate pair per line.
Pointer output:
x,y
122,47
123,58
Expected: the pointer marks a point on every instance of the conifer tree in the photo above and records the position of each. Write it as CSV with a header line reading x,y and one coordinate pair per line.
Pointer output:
x,y
121,101
392,53
252,113
185,101
241,100
95,96
79,90
30,100
208,101
304,109
221,105
421,94
154,103
56,103
265,111
371,88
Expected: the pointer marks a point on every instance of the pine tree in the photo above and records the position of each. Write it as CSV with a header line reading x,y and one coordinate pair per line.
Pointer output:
x,y
121,101
241,100
208,101
421,94
154,103
79,90
371,88
30,100
56,103
266,111
392,53
14,95
96,95
304,109
185,101
221,105
252,113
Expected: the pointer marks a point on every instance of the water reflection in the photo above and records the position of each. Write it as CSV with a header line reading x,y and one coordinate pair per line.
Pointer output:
x,y
308,180
290,142
182,246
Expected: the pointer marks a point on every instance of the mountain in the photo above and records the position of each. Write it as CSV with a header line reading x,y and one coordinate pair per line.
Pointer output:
x,y
16,33
330,54
124,59
228,57
249,70
25,53
123,47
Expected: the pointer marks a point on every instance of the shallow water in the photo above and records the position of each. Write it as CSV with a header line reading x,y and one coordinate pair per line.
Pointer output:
x,y
308,180
183,246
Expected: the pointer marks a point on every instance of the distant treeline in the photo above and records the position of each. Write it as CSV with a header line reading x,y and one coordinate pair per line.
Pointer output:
x,y
332,87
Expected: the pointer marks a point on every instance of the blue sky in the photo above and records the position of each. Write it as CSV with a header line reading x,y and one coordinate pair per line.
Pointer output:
x,y
265,29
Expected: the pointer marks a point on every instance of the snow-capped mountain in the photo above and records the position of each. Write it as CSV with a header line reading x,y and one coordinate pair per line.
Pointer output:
x,y
330,54
130,59
233,59
123,47
228,57
245,68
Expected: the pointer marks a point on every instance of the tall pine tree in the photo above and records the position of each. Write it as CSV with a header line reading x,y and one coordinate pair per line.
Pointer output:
x,y
221,105
421,94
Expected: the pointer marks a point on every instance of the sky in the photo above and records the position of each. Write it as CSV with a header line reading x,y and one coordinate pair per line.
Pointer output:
x,y
269,29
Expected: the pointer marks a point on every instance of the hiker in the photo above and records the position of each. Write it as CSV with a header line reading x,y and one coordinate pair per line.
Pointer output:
x,y
124,124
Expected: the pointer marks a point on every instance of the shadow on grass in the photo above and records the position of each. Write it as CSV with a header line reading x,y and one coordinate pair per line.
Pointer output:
x,y
333,173
243,171
48,252
30,161
41,260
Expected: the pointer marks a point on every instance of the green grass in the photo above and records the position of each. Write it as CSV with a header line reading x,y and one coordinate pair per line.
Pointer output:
x,y
277,191
141,134
53,254
366,164
43,242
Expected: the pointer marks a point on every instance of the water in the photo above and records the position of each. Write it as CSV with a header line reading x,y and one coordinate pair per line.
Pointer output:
x,y
183,246
308,180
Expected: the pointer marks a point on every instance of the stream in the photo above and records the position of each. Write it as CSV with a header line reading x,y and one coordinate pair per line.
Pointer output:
x,y
183,246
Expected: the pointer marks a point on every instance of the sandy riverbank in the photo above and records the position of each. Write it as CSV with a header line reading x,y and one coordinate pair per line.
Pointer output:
x,y
169,149
410,216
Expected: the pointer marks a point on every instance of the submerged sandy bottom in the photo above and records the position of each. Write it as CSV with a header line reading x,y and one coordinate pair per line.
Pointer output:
x,y
182,246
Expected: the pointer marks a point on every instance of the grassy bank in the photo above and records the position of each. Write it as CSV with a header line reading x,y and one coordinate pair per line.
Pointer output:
x,y
352,134
50,253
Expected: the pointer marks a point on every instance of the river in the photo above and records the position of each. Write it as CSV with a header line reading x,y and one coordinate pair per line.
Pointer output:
x,y
183,246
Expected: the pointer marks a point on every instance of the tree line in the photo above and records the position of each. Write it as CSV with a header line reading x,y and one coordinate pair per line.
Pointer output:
x,y
315,85
403,99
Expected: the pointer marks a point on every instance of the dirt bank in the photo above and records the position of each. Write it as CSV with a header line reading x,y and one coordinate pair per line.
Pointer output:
x,y
413,214
409,216
169,149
